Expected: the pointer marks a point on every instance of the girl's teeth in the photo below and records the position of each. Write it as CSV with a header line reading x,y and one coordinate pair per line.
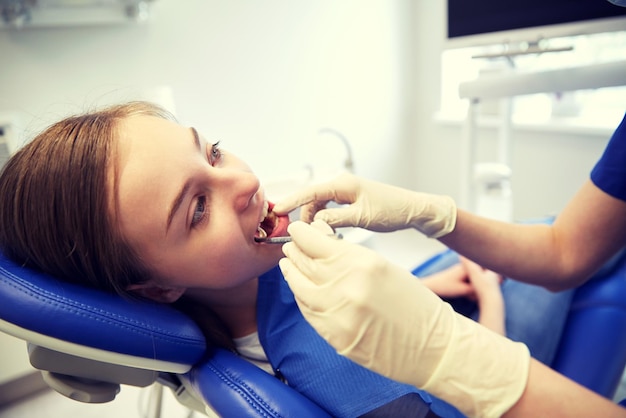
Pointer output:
x,y
266,207
262,233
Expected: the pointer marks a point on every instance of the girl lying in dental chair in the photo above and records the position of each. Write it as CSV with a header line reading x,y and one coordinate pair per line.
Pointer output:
x,y
129,201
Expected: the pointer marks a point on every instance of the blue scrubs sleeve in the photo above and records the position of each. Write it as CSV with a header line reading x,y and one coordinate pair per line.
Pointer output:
x,y
609,173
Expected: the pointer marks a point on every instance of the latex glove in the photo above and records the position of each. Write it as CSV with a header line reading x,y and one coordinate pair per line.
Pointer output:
x,y
374,206
382,317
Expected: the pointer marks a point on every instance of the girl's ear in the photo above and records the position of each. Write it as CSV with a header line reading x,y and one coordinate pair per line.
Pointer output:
x,y
157,293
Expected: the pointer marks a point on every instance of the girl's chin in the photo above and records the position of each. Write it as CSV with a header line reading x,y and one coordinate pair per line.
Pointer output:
x,y
274,252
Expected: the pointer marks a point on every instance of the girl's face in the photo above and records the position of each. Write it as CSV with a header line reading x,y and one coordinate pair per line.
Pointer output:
x,y
189,209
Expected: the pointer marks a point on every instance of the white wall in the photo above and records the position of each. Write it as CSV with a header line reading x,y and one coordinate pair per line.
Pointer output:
x,y
263,77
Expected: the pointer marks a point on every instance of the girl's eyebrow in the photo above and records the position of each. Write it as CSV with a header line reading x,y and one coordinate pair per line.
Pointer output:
x,y
181,196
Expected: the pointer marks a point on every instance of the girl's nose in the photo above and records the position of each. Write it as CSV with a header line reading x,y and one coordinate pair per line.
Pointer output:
x,y
239,187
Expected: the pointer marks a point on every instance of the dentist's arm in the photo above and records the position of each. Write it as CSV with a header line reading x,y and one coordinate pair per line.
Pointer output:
x,y
550,394
589,230
382,317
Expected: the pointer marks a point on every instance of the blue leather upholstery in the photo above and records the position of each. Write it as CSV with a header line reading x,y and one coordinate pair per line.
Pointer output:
x,y
90,318
236,388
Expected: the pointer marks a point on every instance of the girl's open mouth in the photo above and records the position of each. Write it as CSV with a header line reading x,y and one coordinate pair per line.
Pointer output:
x,y
272,225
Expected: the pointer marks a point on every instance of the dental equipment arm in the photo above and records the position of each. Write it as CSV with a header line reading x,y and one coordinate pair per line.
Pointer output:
x,y
384,318
374,206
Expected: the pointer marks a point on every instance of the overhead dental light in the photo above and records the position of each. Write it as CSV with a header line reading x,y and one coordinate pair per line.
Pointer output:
x,y
55,13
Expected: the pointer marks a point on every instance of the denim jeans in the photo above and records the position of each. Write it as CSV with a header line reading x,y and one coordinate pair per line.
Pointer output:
x,y
535,316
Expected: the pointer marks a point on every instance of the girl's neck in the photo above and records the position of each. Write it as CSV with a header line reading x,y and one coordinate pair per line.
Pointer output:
x,y
235,306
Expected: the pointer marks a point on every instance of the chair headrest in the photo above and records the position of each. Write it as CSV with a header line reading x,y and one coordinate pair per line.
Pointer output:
x,y
48,312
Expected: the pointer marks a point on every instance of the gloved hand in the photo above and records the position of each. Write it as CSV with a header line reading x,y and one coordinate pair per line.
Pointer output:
x,y
374,206
382,317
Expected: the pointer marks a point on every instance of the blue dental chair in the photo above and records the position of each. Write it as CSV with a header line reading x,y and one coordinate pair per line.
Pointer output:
x,y
88,343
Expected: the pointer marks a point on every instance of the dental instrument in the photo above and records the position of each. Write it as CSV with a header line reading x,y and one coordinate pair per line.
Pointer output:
x,y
282,240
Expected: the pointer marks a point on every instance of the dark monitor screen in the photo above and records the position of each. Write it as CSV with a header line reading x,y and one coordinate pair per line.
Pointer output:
x,y
467,18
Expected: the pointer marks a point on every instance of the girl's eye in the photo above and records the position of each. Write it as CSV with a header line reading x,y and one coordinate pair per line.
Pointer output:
x,y
215,153
200,212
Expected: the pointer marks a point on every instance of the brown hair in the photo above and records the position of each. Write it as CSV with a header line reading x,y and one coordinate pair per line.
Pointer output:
x,y
55,210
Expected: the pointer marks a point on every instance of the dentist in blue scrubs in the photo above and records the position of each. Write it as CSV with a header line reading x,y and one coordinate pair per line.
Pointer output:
x,y
378,315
